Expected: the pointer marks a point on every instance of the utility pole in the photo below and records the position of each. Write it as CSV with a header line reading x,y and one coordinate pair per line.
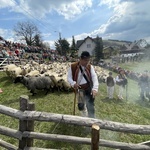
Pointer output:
x,y
60,43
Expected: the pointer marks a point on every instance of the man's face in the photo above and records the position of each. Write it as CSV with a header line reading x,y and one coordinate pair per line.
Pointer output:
x,y
84,61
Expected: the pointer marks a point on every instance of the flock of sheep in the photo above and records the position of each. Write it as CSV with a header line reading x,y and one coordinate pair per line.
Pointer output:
x,y
47,77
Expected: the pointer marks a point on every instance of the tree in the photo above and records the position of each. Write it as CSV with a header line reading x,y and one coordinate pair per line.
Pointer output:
x,y
62,46
28,32
73,48
98,51
38,41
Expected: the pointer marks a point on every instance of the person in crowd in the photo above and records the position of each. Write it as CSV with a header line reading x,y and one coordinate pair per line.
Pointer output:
x,y
83,78
144,84
121,81
17,52
110,82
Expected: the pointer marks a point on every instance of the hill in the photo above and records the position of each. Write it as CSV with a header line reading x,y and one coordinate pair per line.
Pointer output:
x,y
114,43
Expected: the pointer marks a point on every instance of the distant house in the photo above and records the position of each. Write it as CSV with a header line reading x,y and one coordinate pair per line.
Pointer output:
x,y
108,51
88,44
135,47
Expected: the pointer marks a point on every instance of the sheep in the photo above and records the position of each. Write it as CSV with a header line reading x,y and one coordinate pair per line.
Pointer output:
x,y
7,69
35,83
33,73
25,70
16,72
55,82
64,85
34,63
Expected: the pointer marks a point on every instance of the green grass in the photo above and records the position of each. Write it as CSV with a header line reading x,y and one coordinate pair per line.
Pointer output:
x,y
132,111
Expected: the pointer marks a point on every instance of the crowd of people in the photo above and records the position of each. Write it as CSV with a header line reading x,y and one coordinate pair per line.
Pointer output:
x,y
15,51
129,57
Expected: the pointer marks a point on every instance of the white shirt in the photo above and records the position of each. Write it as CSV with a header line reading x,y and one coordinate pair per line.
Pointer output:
x,y
81,80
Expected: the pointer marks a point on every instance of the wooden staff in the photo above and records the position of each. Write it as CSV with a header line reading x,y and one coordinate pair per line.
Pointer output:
x,y
75,97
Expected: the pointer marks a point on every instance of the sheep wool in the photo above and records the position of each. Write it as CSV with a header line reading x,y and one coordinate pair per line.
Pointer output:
x,y
36,83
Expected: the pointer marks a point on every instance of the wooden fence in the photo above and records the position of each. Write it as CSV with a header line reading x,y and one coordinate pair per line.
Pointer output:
x,y
6,61
26,135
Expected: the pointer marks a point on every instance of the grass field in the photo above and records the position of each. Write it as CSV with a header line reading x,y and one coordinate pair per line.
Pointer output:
x,y
132,111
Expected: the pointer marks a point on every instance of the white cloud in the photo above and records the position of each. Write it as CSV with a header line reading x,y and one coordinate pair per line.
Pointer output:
x,y
130,20
109,3
6,3
8,35
33,8
4,33
74,8
126,19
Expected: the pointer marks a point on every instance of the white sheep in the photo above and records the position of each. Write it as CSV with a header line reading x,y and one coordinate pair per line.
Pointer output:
x,y
16,72
7,69
64,85
33,73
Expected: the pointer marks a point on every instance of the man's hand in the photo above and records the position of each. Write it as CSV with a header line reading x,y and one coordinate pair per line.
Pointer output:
x,y
94,93
76,86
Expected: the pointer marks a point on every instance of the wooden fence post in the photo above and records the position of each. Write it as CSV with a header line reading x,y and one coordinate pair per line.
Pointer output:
x,y
23,123
30,125
95,137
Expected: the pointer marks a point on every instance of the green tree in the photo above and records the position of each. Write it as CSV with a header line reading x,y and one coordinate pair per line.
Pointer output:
x,y
98,50
38,41
27,31
62,46
73,49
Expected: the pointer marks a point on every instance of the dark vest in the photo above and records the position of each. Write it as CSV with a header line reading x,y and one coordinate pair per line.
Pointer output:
x,y
110,81
75,70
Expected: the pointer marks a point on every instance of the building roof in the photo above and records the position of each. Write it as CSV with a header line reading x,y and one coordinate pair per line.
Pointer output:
x,y
80,42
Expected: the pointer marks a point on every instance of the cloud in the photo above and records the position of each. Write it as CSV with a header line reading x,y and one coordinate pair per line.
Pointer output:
x,y
6,3
5,33
130,20
8,35
33,8
115,19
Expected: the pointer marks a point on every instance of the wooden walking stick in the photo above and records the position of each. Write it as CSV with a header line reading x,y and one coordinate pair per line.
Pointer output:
x,y
75,97
126,93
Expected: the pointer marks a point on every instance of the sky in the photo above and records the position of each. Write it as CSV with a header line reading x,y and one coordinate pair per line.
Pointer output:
x,y
110,19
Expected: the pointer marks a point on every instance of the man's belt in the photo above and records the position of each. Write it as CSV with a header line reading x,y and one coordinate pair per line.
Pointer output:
x,y
84,86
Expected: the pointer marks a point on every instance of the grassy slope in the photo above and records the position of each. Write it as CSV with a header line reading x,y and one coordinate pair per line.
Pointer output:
x,y
131,111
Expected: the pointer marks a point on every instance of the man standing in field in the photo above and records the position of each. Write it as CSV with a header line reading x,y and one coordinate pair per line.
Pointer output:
x,y
83,78
110,82
121,81
144,83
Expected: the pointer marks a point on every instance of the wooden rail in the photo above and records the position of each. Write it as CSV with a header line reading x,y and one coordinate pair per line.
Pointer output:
x,y
6,61
25,135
